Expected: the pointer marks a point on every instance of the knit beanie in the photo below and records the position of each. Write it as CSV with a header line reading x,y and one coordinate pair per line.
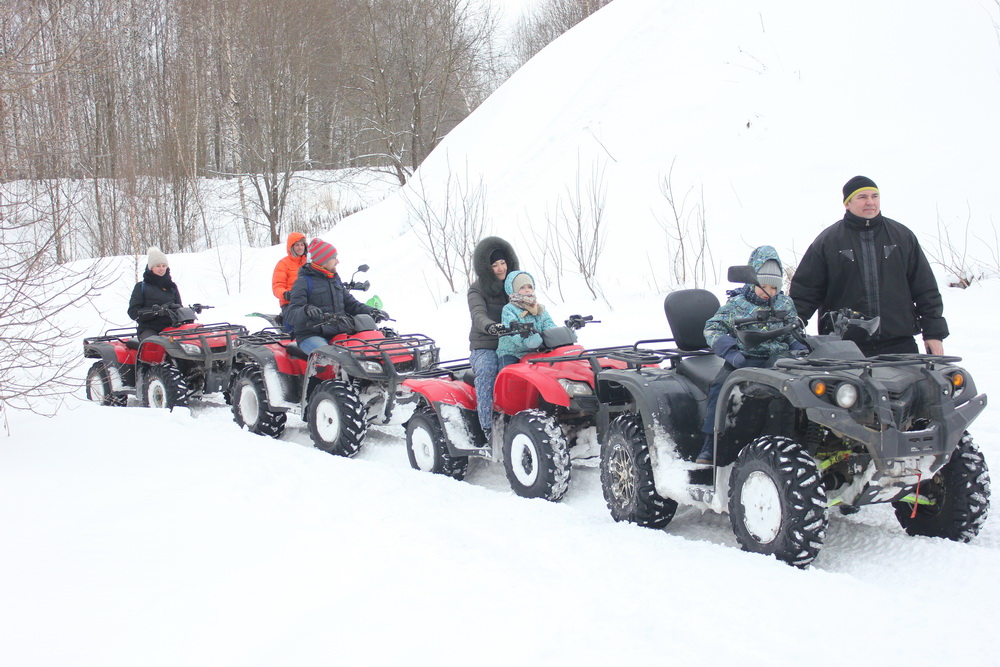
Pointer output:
x,y
770,274
156,256
321,252
497,255
519,281
856,185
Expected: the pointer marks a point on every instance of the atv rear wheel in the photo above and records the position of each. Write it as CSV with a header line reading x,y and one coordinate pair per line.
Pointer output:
x,y
777,503
536,456
99,387
960,497
249,400
427,448
627,476
336,418
163,387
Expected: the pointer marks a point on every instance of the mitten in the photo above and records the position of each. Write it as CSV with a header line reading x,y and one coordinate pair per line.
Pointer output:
x,y
494,329
287,296
534,341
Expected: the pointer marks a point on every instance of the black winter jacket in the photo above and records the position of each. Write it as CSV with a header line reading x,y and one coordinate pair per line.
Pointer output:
x,y
328,294
848,259
486,295
158,291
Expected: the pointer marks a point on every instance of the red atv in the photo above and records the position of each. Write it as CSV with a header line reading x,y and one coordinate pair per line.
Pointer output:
x,y
339,389
165,370
542,405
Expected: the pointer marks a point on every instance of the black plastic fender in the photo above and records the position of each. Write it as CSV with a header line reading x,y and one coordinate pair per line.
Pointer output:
x,y
263,356
106,353
662,398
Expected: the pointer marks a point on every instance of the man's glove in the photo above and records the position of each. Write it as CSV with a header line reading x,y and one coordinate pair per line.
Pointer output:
x,y
313,313
287,296
494,329
379,315
174,306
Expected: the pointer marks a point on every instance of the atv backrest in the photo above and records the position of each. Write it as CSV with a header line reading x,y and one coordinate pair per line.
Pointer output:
x,y
364,322
687,311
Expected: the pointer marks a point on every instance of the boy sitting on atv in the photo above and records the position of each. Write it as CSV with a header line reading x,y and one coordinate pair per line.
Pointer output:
x,y
319,293
720,332
523,308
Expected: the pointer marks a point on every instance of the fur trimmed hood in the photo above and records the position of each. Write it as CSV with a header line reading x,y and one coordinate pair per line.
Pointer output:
x,y
481,262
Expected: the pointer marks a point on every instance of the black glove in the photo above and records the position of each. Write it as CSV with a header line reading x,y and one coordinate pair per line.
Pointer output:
x,y
174,306
144,315
379,315
494,329
287,296
313,313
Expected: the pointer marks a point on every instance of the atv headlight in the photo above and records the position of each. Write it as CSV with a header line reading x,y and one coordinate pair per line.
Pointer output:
x,y
576,388
957,384
191,348
371,366
846,395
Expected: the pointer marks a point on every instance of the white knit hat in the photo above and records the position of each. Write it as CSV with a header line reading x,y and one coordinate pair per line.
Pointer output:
x,y
770,274
156,256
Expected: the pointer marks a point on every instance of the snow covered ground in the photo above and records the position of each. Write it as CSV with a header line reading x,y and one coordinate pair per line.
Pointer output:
x,y
142,537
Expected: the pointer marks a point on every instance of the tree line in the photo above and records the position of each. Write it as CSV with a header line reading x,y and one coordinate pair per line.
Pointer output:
x,y
136,100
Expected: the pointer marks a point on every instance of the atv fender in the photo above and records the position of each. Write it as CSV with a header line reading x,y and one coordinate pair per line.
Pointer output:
x,y
449,392
289,372
519,385
112,356
667,402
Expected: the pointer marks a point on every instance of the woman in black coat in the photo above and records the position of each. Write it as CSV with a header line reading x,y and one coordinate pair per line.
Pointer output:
x,y
152,295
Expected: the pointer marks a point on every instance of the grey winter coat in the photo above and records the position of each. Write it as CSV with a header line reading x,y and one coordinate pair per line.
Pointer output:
x,y
486,295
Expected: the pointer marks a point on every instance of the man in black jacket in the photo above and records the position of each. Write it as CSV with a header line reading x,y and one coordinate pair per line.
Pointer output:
x,y
874,265
492,259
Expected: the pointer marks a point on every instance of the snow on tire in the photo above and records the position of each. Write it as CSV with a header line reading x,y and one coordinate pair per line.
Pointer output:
x,y
427,448
536,456
163,387
249,404
627,476
777,502
959,494
336,418
99,387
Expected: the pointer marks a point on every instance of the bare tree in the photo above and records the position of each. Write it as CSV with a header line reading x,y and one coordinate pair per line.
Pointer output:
x,y
543,22
687,235
449,227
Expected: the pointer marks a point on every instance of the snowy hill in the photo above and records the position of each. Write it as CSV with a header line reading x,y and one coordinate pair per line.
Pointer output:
x,y
135,536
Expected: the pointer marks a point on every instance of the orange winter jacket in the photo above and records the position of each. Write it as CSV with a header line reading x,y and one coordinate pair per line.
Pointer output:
x,y
287,269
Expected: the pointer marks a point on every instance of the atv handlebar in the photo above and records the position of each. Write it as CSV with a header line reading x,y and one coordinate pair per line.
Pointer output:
x,y
580,321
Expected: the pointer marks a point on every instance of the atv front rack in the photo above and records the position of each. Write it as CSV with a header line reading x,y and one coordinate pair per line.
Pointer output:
x,y
881,361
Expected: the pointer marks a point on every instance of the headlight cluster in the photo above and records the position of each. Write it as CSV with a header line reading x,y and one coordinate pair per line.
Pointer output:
x,y
843,394
958,383
576,388
191,348
371,366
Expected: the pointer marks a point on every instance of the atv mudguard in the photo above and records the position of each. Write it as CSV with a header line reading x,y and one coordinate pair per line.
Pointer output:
x,y
439,390
118,358
290,372
669,404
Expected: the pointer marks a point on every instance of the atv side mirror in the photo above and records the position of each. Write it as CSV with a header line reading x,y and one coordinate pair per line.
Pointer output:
x,y
361,269
742,274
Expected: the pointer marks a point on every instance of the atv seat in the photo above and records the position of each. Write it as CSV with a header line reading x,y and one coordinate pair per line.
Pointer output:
x,y
468,377
132,343
687,311
295,351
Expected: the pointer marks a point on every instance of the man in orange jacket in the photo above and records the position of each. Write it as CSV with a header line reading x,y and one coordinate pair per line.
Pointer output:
x,y
287,269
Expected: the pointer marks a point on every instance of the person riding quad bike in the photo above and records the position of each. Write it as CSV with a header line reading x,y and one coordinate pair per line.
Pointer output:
x,y
811,430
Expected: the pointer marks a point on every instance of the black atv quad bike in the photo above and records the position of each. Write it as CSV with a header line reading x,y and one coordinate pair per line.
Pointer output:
x,y
186,359
827,428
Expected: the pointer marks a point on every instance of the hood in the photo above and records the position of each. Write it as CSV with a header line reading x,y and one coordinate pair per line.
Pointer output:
x,y
508,283
761,255
292,239
481,259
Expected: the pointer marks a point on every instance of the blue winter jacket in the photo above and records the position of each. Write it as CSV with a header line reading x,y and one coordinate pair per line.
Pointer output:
x,y
517,346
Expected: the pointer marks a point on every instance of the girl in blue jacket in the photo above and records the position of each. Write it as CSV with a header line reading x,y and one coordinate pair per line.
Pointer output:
x,y
523,307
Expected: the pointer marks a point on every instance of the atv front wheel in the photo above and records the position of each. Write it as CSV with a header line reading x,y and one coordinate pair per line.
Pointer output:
x,y
777,503
536,456
427,448
249,399
959,496
336,418
99,387
627,476
163,387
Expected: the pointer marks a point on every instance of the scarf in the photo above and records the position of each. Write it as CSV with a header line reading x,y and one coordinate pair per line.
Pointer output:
x,y
528,303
